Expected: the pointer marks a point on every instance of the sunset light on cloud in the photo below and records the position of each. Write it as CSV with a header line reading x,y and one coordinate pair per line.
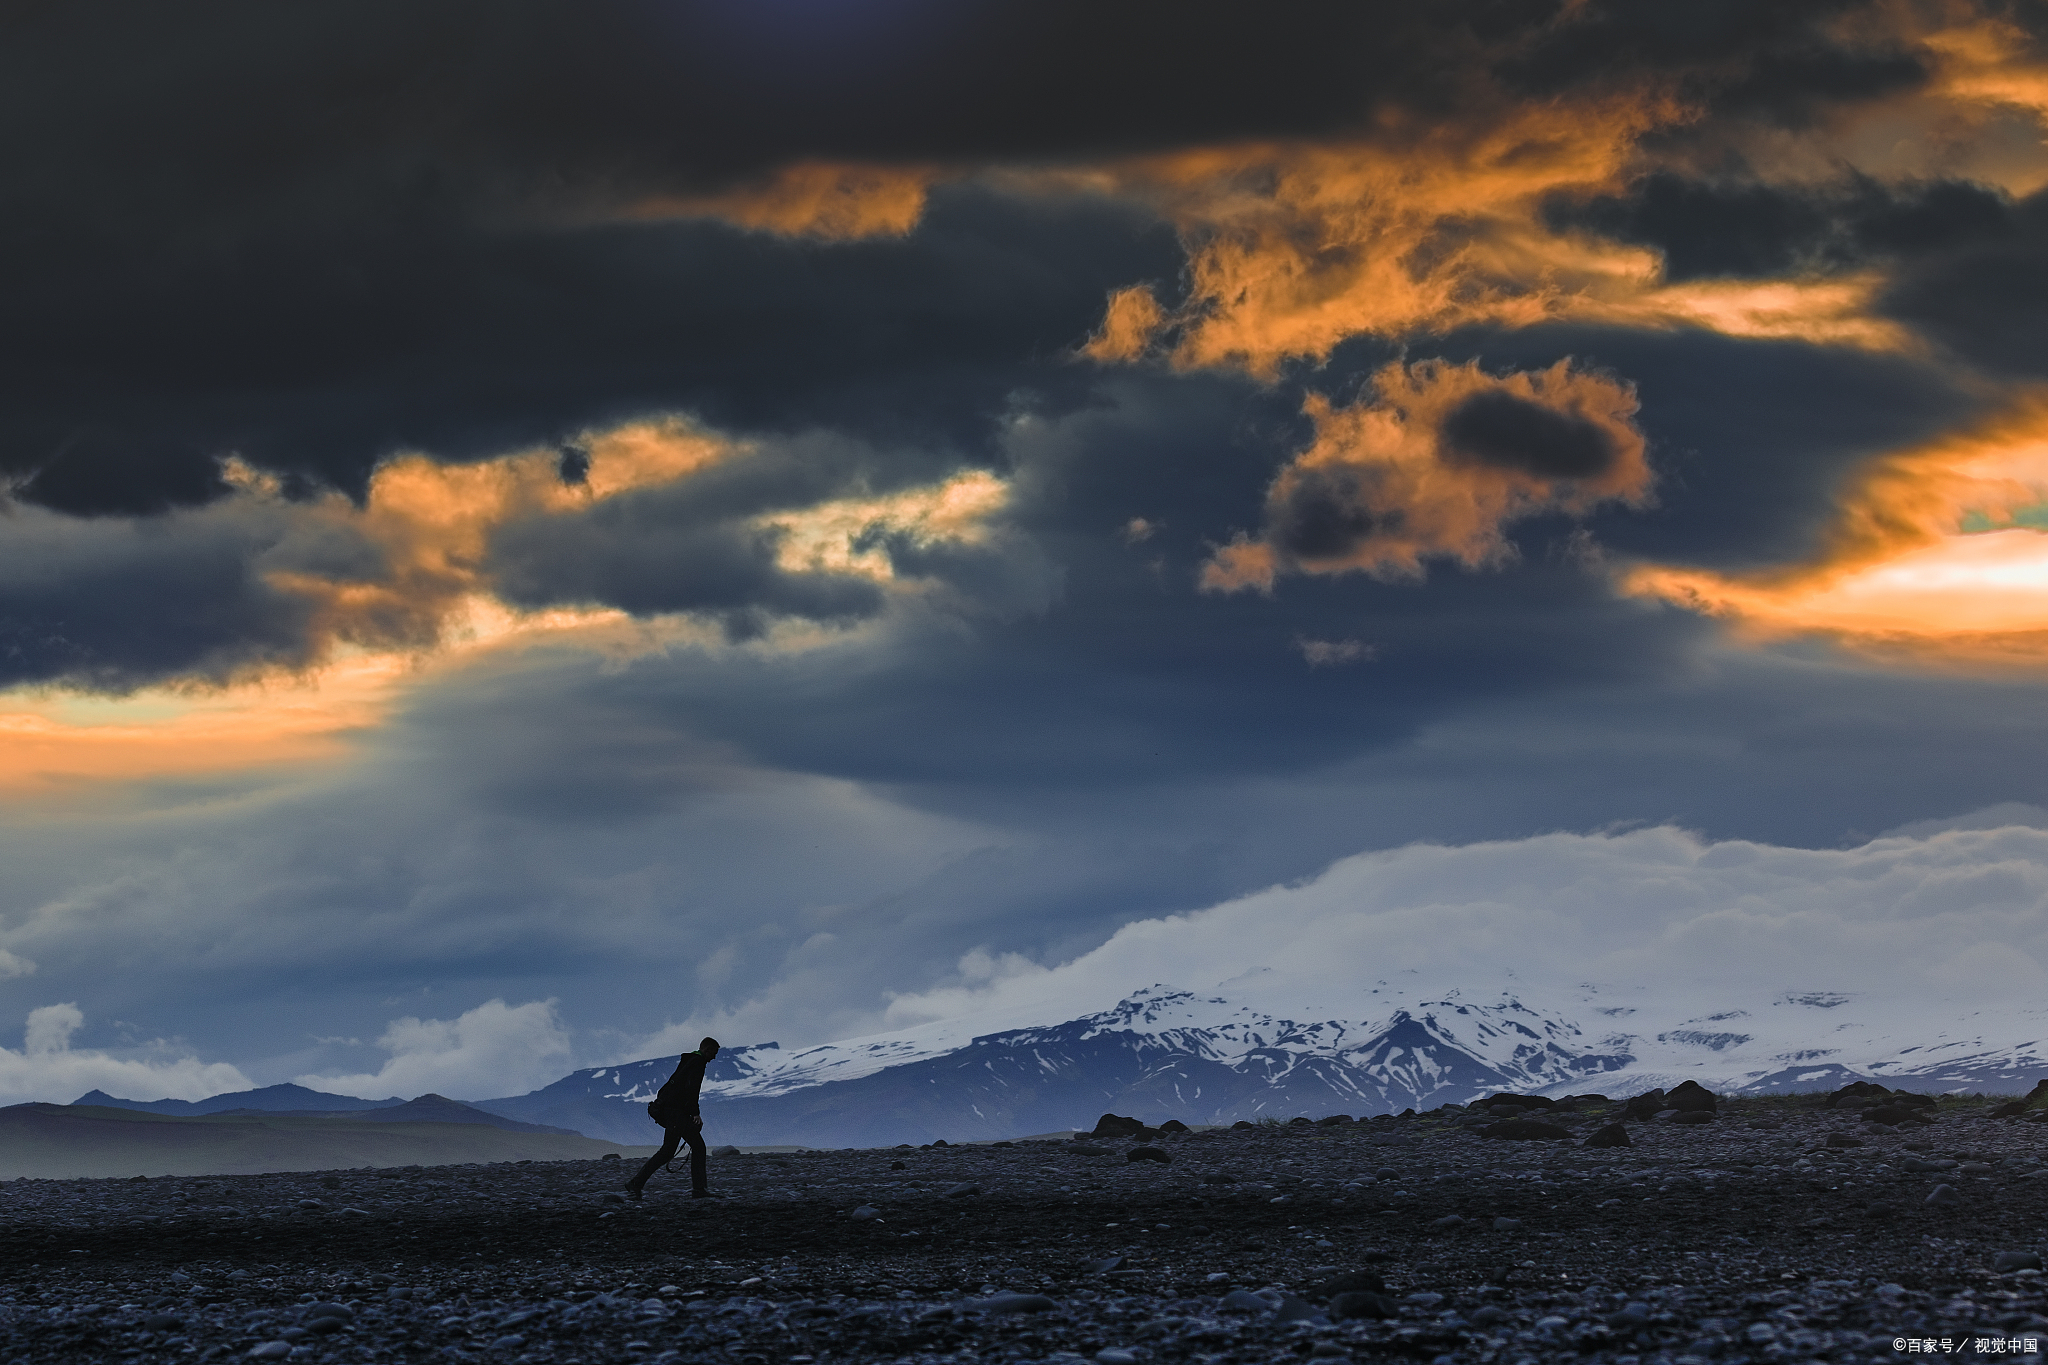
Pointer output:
x,y
615,519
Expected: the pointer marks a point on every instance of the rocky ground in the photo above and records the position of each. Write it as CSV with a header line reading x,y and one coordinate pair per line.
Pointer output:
x,y
1741,1239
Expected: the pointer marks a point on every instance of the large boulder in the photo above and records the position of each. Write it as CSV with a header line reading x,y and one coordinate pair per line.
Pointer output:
x,y
1649,1104
1519,1101
1856,1095
1116,1125
1692,1097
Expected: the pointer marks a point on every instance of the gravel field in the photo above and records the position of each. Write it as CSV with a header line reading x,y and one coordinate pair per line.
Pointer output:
x,y
1744,1238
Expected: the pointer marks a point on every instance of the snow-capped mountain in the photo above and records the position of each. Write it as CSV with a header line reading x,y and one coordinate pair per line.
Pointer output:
x,y
1254,1048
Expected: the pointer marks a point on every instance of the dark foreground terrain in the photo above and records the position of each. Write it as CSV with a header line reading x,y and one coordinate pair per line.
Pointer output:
x,y
1741,1239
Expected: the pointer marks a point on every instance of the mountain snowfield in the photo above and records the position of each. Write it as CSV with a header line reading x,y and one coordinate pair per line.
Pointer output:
x,y
1428,974
1408,977
1391,1044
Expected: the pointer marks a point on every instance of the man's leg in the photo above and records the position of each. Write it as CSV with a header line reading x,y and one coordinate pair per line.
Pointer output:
x,y
672,1137
695,1137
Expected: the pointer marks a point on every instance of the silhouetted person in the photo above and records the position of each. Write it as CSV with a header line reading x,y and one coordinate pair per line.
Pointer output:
x,y
675,1109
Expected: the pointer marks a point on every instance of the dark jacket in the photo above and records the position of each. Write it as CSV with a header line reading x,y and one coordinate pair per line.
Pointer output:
x,y
678,1097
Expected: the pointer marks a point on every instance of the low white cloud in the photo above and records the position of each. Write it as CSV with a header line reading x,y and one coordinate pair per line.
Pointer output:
x,y
491,1051
49,1070
1960,911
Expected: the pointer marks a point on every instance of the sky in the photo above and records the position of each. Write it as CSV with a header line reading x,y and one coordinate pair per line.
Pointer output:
x,y
531,532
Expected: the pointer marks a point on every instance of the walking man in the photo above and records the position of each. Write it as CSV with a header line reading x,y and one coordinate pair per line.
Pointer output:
x,y
675,1109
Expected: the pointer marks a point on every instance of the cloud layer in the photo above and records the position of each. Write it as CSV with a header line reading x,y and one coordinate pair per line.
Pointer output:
x,y
1652,908
700,512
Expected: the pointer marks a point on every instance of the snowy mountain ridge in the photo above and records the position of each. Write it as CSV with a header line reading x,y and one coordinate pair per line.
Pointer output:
x,y
1378,1047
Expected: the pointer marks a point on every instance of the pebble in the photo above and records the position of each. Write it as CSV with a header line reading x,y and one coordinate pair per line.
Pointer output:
x,y
969,1288
866,1212
1013,1303
1943,1194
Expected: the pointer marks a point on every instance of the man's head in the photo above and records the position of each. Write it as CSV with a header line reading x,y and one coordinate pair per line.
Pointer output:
x,y
708,1048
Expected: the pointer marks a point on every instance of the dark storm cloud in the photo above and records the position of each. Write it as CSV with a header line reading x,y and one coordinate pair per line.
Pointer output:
x,y
1707,228
317,235
1499,429
1985,300
654,567
105,608
323,357
1780,63
1324,513
1751,439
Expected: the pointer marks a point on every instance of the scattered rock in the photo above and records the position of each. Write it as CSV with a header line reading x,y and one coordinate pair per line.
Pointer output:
x,y
1506,1224
1363,1303
1173,1126
962,1190
1693,1115
1351,1281
1842,1140
1334,1120
730,1150
1612,1135
1242,1301
1942,1195
865,1213
1113,1355
1519,1101
1523,1130
1146,1154
1448,1223
1013,1303
1923,1166
1293,1308
1894,1115
1086,1149
1219,1178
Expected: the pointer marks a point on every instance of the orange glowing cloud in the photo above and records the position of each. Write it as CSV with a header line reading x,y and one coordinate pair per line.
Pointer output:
x,y
1901,567
821,200
1293,248
399,591
425,528
1436,465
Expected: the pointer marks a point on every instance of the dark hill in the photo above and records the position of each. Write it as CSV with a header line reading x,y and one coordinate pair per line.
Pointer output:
x,y
271,1099
424,1109
57,1141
